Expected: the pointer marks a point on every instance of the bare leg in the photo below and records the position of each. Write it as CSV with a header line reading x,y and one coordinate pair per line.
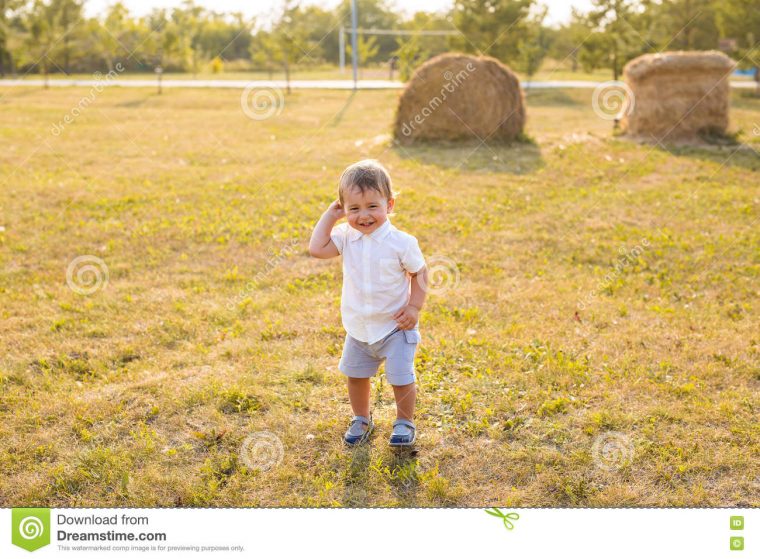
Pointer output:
x,y
405,399
358,394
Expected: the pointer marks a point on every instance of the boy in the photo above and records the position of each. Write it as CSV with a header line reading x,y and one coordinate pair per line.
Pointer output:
x,y
384,276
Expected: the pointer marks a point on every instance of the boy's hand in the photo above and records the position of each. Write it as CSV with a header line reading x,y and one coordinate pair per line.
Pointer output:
x,y
406,318
336,210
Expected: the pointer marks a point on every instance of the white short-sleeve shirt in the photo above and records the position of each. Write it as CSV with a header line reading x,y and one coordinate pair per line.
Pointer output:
x,y
375,281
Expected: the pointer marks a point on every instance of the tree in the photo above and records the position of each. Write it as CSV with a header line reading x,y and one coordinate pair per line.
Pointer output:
x,y
227,37
9,32
288,43
595,52
491,27
366,49
683,24
431,45
188,22
263,52
409,54
67,18
534,45
616,20
321,34
110,34
569,39
162,47
372,14
740,20
39,37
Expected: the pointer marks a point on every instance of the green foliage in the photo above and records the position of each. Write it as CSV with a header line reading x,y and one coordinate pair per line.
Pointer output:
x,y
618,37
534,45
366,48
491,27
550,407
684,24
568,39
372,14
409,54
740,21
191,38
235,400
217,65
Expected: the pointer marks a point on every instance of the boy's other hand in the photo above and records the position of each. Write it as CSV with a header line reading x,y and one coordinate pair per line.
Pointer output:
x,y
336,210
406,318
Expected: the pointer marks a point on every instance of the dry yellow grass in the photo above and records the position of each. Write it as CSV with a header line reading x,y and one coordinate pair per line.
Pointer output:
x,y
142,393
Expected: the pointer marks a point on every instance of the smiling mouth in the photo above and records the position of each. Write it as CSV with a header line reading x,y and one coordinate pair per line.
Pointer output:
x,y
366,224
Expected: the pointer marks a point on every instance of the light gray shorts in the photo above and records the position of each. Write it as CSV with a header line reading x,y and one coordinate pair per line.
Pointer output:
x,y
362,360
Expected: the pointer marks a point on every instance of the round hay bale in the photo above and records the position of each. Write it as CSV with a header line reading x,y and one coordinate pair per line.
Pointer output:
x,y
457,97
677,96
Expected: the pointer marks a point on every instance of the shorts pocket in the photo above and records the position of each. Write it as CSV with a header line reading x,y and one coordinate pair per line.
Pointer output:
x,y
412,336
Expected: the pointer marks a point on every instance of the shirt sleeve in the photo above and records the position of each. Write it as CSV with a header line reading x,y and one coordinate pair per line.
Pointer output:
x,y
412,260
338,236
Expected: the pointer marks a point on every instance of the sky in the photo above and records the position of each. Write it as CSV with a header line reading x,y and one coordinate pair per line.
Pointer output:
x,y
559,10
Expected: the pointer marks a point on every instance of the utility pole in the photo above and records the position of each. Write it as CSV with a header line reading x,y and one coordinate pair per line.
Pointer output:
x,y
354,48
342,48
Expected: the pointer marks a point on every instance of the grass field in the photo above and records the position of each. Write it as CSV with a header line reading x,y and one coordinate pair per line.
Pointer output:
x,y
592,339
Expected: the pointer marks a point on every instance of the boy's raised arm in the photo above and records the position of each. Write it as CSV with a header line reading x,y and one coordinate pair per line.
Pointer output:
x,y
321,245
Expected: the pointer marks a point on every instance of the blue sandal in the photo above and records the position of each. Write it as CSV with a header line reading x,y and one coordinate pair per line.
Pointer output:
x,y
356,434
403,437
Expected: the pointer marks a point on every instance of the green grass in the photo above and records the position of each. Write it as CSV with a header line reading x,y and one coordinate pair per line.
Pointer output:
x,y
604,287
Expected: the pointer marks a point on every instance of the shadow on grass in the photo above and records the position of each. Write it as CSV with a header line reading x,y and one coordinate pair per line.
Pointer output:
x,y
134,103
728,150
400,472
356,492
339,115
404,481
745,99
517,158
739,155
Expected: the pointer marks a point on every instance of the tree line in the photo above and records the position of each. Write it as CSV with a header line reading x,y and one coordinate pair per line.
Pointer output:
x,y
55,36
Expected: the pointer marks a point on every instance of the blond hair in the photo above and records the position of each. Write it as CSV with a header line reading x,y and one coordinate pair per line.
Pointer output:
x,y
368,174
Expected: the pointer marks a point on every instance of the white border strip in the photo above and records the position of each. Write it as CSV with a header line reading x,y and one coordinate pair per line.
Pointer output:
x,y
381,533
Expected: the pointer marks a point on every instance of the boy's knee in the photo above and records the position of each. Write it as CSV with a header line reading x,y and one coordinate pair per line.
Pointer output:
x,y
408,382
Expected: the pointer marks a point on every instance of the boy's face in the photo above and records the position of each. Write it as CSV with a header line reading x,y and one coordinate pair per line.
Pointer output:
x,y
366,211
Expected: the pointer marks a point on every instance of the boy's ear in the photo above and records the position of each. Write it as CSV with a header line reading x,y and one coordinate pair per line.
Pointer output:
x,y
391,203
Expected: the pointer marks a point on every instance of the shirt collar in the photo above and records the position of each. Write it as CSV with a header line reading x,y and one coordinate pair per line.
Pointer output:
x,y
378,234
